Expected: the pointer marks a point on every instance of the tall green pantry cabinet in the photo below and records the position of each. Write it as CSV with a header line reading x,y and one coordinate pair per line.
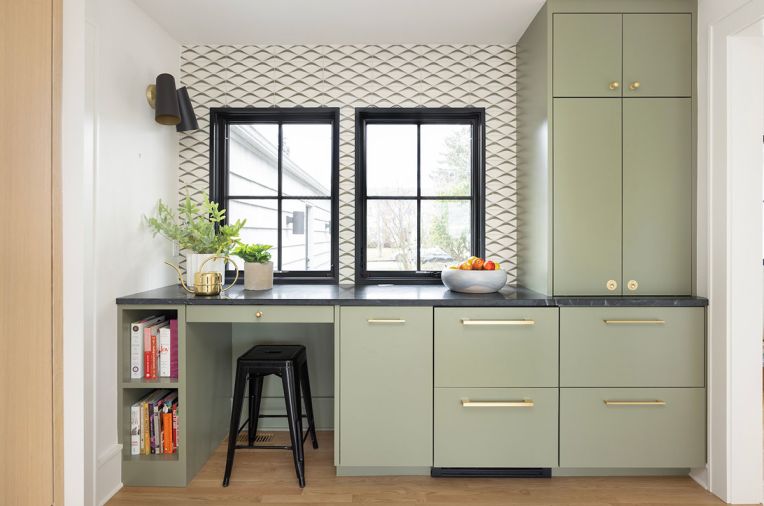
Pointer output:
x,y
606,133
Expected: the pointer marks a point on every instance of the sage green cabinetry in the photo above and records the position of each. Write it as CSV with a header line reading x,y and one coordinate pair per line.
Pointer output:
x,y
496,347
495,427
385,386
587,196
657,196
587,55
632,427
606,134
632,347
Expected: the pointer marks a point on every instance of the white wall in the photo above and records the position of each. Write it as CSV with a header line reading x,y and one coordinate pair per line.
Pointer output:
x,y
130,163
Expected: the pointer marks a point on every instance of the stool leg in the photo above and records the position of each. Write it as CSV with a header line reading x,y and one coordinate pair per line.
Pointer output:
x,y
290,396
255,396
305,380
233,432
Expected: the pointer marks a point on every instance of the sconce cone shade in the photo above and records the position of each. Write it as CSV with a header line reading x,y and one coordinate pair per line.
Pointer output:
x,y
187,116
167,110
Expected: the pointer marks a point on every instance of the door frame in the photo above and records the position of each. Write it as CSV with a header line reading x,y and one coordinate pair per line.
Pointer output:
x,y
730,273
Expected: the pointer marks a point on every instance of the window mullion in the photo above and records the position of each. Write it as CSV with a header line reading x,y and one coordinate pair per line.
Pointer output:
x,y
418,196
279,206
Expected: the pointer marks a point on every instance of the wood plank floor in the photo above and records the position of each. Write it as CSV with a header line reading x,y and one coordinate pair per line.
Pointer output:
x,y
267,477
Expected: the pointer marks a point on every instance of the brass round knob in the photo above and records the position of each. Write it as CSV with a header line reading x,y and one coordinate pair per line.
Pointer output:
x,y
614,85
632,285
612,285
634,86
259,314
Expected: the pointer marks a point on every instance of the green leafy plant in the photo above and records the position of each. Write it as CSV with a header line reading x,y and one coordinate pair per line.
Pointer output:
x,y
253,253
196,227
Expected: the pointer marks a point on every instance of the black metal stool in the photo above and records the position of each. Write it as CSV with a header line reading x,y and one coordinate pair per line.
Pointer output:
x,y
290,362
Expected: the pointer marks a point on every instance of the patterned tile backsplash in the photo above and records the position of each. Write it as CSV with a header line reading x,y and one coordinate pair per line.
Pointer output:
x,y
349,76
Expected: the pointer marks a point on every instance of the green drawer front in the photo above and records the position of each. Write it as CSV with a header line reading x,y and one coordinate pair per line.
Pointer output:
x,y
496,347
522,435
632,347
268,314
594,434
385,386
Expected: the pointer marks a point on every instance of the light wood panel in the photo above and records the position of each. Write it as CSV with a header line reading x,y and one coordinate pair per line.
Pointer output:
x,y
30,305
267,477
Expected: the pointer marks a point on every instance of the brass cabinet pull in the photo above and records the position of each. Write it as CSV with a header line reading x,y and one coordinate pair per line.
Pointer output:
x,y
611,284
634,86
383,320
634,322
632,284
635,403
526,403
259,314
467,321
614,85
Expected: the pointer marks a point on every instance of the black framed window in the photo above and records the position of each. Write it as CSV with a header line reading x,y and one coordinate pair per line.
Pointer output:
x,y
419,191
279,169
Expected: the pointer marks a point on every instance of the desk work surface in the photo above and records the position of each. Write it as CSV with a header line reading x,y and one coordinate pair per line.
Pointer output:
x,y
393,295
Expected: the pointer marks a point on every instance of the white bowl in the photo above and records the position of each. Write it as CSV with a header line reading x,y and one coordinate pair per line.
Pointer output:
x,y
474,281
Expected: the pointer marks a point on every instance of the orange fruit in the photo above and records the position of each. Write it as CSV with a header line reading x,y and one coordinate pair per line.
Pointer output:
x,y
478,264
465,266
489,265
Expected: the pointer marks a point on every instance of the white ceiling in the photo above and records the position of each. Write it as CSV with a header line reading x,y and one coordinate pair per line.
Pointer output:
x,y
343,21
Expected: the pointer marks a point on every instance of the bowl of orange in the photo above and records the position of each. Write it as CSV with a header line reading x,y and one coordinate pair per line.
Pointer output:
x,y
474,275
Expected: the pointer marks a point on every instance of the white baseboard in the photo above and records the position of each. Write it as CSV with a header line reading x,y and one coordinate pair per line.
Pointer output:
x,y
108,474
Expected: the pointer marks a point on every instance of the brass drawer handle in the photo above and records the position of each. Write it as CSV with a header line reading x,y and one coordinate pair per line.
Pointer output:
x,y
259,314
634,322
614,85
467,321
635,403
382,320
635,86
526,403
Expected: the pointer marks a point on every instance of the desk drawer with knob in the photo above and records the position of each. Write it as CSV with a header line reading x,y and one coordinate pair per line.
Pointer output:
x,y
260,314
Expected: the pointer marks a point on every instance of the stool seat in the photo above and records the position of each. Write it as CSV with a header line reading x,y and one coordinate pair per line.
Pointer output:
x,y
290,362
269,353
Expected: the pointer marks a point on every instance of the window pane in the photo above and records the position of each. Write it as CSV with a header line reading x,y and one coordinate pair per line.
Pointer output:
x,y
262,223
391,235
446,160
306,235
446,233
307,160
391,159
253,159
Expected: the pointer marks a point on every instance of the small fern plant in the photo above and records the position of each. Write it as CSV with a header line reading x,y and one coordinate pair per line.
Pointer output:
x,y
196,227
254,253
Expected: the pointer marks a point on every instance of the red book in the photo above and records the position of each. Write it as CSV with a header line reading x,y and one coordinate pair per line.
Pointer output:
x,y
147,352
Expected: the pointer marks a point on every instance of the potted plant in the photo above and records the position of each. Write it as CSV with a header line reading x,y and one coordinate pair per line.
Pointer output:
x,y
258,268
198,231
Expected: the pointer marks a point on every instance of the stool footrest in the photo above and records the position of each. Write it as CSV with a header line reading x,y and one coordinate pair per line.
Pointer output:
x,y
263,447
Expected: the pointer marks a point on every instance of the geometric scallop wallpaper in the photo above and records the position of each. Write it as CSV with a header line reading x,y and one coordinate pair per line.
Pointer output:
x,y
349,76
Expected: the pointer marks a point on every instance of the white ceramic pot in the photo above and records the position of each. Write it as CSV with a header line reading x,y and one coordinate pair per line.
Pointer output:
x,y
258,276
474,281
194,263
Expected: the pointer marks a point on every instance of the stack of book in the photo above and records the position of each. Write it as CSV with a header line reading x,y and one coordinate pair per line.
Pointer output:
x,y
154,424
154,348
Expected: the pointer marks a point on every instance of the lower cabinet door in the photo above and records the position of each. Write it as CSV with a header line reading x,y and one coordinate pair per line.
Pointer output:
x,y
632,427
495,427
385,391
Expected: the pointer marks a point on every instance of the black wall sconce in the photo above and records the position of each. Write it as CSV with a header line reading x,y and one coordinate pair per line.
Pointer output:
x,y
172,106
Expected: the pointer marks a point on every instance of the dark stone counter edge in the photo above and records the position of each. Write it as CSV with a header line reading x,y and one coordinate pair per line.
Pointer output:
x,y
458,300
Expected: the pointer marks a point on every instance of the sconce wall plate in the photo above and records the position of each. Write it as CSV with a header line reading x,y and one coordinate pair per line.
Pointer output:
x,y
151,95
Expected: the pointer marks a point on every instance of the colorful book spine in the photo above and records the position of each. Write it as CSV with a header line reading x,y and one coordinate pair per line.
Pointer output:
x,y
147,352
175,425
164,352
167,445
136,344
135,429
145,428
174,349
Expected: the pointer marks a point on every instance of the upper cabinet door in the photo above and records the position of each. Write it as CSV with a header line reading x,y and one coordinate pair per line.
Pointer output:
x,y
587,196
657,196
587,55
657,55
